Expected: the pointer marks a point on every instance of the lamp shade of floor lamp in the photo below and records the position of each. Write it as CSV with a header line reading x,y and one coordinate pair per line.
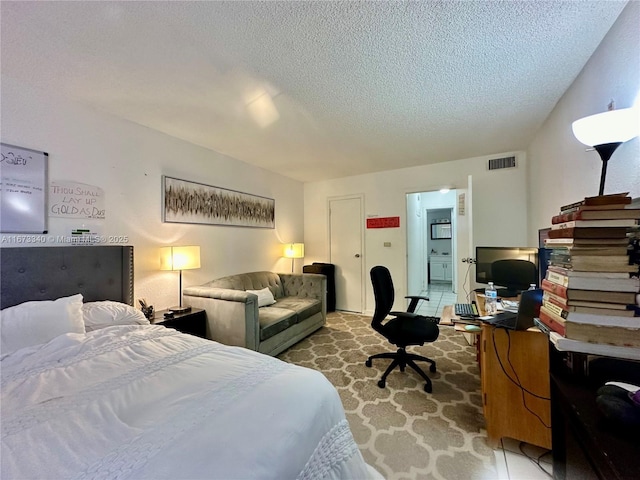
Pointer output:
x,y
293,251
607,131
180,258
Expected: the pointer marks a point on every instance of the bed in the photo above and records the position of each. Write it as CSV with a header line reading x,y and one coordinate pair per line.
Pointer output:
x,y
137,401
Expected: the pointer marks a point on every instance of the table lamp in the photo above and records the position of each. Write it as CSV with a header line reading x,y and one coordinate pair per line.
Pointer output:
x,y
180,258
605,132
293,251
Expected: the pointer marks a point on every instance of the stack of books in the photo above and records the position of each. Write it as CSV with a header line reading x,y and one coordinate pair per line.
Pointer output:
x,y
591,292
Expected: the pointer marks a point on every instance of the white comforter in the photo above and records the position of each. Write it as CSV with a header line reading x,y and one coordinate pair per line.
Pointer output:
x,y
138,402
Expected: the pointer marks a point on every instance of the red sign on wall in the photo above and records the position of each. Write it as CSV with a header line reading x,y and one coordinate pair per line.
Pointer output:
x,y
384,222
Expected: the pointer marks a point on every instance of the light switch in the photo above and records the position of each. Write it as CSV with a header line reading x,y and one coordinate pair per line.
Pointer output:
x,y
387,244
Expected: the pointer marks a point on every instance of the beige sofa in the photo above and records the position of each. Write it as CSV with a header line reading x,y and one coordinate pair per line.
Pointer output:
x,y
234,317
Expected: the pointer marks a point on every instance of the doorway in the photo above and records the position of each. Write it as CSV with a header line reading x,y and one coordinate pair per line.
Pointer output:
x,y
431,249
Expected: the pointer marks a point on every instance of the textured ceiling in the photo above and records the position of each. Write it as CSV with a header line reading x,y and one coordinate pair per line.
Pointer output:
x,y
314,90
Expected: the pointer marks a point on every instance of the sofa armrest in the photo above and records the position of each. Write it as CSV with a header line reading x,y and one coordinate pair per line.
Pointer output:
x,y
232,315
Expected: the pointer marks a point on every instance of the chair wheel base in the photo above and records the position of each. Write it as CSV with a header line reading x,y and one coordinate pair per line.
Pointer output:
x,y
368,363
432,368
427,388
381,383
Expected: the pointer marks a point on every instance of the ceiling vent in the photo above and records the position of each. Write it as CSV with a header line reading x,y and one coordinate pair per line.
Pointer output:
x,y
498,163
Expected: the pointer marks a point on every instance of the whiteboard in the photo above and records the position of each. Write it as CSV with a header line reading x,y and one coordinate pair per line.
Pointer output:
x,y
23,190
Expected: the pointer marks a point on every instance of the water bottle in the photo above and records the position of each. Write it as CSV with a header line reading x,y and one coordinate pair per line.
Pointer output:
x,y
532,286
490,299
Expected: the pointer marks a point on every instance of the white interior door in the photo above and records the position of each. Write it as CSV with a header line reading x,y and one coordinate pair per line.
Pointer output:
x,y
463,270
345,232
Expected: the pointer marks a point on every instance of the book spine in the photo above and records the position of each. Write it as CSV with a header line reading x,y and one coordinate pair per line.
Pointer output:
x,y
571,206
597,223
554,288
567,224
555,299
561,233
588,232
558,279
550,322
565,217
553,308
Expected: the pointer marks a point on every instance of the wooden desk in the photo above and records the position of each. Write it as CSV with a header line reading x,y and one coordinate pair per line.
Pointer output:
x,y
514,369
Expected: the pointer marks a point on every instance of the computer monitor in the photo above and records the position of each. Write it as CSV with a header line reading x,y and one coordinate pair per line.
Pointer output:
x,y
511,269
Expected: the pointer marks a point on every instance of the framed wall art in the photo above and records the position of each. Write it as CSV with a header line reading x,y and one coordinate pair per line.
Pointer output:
x,y
191,202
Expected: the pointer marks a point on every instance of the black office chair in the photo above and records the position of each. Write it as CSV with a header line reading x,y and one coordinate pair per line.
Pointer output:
x,y
514,275
407,328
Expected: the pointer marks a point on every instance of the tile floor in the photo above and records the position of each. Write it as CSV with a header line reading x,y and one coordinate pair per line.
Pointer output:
x,y
515,460
440,295
522,461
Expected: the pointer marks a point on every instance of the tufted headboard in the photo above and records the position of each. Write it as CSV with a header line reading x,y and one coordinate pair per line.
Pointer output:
x,y
47,273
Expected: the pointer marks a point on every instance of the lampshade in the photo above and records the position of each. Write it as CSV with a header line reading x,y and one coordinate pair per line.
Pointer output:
x,y
294,250
614,126
180,258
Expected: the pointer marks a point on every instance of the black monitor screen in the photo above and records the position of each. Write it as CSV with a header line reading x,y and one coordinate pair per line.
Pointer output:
x,y
512,268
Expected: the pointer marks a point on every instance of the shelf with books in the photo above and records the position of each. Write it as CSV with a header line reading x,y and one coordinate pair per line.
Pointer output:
x,y
592,327
591,263
608,214
589,232
591,287
564,344
599,201
570,295
597,281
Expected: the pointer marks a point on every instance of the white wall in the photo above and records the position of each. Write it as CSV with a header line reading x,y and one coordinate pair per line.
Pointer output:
x,y
561,172
127,161
502,192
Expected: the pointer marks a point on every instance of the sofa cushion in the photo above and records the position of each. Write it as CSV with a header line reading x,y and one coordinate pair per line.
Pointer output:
x,y
265,297
303,307
274,320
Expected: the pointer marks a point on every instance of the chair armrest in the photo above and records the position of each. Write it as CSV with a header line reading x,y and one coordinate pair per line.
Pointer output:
x,y
414,302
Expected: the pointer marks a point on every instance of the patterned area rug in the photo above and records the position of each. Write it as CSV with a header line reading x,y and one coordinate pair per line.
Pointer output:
x,y
402,431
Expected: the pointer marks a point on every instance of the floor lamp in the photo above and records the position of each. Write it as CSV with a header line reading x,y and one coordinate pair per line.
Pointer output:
x,y
293,251
180,258
605,132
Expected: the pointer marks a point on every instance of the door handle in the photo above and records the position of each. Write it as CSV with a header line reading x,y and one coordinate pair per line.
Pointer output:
x,y
357,255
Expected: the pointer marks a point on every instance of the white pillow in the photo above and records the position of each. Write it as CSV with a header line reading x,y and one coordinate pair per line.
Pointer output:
x,y
107,313
265,297
33,323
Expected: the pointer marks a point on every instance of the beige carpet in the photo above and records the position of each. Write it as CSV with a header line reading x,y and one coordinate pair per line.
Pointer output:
x,y
402,431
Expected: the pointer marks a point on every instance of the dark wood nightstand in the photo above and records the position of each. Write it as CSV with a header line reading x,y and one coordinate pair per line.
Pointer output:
x,y
193,322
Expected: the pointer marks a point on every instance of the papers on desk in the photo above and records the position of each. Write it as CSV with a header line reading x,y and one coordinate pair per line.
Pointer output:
x,y
508,305
466,320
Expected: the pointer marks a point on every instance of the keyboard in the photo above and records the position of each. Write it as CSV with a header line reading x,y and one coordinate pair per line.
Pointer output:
x,y
466,310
